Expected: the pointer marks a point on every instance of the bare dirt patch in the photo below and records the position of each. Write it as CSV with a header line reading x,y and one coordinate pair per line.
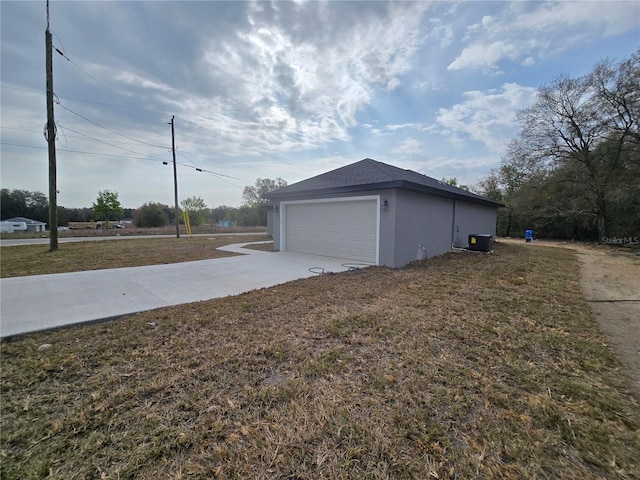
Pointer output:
x,y
611,284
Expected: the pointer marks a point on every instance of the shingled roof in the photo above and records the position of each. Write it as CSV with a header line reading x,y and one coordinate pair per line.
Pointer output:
x,y
370,174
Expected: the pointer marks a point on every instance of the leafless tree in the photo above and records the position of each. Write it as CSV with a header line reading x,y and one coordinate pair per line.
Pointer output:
x,y
590,122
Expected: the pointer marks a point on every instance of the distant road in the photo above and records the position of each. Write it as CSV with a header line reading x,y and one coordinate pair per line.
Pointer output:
x,y
7,242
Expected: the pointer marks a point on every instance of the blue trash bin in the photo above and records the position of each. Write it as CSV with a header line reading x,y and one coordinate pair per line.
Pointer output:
x,y
528,235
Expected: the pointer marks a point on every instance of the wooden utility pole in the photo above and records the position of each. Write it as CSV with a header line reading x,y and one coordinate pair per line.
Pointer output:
x,y
51,140
175,177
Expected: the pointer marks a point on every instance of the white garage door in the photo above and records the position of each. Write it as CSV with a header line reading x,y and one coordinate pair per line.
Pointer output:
x,y
342,228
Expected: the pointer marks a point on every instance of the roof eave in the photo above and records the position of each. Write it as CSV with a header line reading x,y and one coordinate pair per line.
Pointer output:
x,y
399,184
332,190
468,196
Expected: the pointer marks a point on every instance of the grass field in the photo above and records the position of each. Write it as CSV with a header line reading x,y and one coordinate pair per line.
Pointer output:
x,y
464,366
130,230
72,257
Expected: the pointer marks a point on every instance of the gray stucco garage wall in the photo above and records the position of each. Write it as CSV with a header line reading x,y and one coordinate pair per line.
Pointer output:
x,y
388,226
472,218
275,225
421,219
411,219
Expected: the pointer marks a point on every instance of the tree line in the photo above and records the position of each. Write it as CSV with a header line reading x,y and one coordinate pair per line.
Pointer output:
x,y
107,207
573,170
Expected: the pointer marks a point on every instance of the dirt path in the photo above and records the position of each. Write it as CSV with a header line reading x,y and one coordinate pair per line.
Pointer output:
x,y
610,281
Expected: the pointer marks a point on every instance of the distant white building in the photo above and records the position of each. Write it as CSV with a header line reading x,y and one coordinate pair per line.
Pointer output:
x,y
24,224
10,227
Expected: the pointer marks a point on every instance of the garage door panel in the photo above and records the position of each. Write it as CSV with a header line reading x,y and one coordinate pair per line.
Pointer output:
x,y
344,229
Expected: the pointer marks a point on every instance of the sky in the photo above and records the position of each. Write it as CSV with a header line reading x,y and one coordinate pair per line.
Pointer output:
x,y
280,89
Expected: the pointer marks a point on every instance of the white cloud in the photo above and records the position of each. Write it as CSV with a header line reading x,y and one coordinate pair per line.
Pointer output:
x,y
392,128
483,55
300,170
400,126
468,170
428,86
138,81
308,92
486,117
439,32
528,30
527,62
408,147
607,18
444,162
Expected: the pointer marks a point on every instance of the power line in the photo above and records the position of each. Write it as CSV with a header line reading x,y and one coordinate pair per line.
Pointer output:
x,y
111,105
86,153
220,176
212,173
80,135
189,160
148,158
113,131
73,99
209,171
102,84
110,144
21,129
138,141
23,89
193,166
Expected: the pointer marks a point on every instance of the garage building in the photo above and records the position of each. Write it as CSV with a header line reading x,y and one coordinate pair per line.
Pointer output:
x,y
376,213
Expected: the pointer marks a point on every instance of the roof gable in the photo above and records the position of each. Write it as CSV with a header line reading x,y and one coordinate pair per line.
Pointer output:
x,y
369,174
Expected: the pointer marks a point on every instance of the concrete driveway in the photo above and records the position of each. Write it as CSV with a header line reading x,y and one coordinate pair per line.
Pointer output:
x,y
43,302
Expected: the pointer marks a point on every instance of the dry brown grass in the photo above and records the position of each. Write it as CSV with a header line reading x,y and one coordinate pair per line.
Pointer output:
x,y
130,230
465,366
73,257
263,247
